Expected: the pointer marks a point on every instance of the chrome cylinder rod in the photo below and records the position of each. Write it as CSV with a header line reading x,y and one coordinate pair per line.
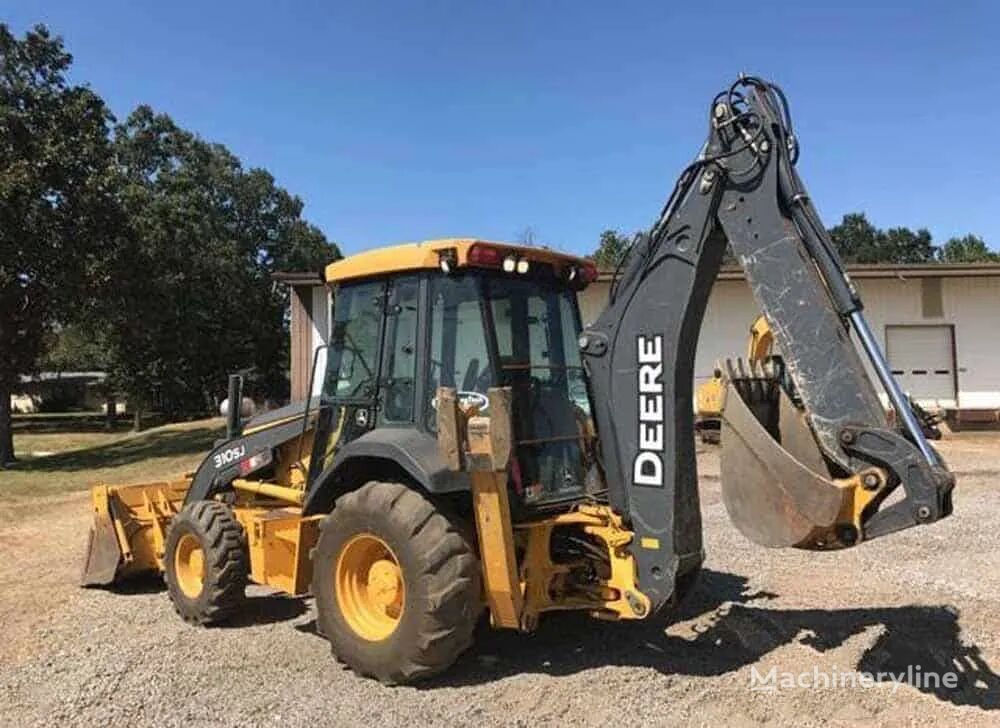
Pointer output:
x,y
897,398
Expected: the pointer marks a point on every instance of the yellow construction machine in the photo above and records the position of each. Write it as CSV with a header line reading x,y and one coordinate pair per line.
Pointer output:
x,y
474,449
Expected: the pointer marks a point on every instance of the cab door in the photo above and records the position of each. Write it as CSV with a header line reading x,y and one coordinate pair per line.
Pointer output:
x,y
350,394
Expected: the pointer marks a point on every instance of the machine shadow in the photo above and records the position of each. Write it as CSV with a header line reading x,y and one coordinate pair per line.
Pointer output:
x,y
738,634
141,584
127,451
267,609
258,609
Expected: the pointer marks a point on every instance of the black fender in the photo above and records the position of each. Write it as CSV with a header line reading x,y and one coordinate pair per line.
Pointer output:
x,y
384,452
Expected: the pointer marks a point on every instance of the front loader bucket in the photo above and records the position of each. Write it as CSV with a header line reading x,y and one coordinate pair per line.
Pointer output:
x,y
129,529
772,490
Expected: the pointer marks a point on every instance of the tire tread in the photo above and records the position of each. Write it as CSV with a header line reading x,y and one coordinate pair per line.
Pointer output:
x,y
448,574
224,546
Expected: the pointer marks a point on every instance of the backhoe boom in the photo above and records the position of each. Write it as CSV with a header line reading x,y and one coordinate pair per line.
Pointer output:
x,y
743,191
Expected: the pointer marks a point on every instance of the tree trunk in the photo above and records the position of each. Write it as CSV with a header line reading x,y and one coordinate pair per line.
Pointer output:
x,y
6,428
111,413
136,420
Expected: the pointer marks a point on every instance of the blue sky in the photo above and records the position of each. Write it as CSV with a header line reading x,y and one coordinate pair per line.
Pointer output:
x,y
401,121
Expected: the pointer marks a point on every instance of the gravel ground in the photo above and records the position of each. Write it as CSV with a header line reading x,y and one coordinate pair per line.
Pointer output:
x,y
926,597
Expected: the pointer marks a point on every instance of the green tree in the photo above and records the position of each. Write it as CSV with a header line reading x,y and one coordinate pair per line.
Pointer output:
x,y
78,347
967,249
73,348
902,245
855,238
189,295
56,200
611,248
858,241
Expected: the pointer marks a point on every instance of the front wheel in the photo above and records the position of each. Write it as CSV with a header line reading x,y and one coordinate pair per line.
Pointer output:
x,y
206,562
396,584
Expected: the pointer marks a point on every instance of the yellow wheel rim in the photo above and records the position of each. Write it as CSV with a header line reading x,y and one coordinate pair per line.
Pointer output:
x,y
370,588
189,565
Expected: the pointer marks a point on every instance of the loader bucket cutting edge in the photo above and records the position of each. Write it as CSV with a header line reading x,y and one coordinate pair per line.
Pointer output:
x,y
771,497
103,553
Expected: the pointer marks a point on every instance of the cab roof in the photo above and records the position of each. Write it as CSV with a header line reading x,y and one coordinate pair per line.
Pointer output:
x,y
426,255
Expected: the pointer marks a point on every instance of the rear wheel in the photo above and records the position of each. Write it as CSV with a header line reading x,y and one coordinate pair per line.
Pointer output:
x,y
206,562
396,584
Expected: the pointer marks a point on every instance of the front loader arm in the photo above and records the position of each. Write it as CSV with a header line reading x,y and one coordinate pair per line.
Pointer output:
x,y
743,191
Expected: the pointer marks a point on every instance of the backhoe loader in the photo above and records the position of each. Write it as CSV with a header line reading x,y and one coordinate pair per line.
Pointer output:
x,y
474,449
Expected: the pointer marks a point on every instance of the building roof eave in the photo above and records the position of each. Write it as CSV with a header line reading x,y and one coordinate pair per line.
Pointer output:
x,y
298,278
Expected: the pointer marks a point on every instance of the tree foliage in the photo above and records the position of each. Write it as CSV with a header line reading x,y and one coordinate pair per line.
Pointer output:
x,y
139,248
611,248
73,347
967,249
858,241
56,201
189,295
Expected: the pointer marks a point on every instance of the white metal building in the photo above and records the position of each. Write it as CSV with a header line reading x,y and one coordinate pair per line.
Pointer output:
x,y
939,325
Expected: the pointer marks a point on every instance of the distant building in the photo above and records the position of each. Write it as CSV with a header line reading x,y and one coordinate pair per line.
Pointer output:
x,y
938,325
310,316
64,391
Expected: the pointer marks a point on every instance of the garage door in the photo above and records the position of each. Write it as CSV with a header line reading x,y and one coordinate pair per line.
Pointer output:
x,y
922,358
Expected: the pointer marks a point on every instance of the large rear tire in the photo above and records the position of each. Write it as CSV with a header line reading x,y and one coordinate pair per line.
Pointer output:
x,y
206,563
396,584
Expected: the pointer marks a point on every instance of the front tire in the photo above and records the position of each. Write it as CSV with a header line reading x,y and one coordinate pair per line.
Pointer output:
x,y
396,584
206,563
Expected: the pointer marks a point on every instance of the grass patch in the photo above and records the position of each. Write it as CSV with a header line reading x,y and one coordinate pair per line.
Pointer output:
x,y
94,415
29,445
84,458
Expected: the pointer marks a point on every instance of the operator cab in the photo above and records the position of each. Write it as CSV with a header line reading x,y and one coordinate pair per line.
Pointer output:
x,y
468,315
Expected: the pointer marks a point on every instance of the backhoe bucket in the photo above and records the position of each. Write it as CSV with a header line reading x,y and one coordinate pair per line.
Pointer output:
x,y
129,529
771,471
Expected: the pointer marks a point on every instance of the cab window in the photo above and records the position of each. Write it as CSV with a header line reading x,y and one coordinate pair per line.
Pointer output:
x,y
352,367
401,349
